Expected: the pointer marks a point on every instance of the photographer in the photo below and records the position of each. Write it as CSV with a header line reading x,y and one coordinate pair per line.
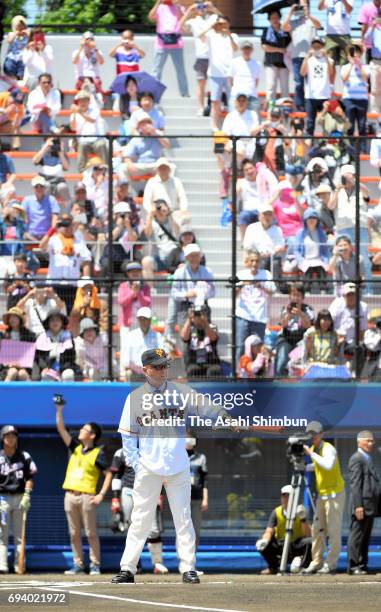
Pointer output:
x,y
87,60
316,174
124,234
53,161
270,545
330,503
303,27
295,318
161,229
372,343
127,54
343,263
200,337
86,464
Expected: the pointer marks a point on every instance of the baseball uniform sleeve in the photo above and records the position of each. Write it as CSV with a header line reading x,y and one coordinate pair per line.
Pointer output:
x,y
129,429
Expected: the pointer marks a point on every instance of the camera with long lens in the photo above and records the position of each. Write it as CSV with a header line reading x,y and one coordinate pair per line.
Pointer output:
x,y
295,450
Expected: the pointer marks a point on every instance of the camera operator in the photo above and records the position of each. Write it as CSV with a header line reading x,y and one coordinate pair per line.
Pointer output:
x,y
270,545
343,263
330,502
372,342
53,161
200,337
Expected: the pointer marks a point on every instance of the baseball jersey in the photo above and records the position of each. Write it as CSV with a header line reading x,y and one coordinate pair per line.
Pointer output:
x,y
15,471
158,446
121,470
199,473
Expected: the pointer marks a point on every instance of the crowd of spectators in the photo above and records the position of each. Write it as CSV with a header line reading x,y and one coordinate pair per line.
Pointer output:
x,y
297,196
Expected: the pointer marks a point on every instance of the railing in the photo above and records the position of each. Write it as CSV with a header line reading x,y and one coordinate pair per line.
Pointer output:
x,y
107,277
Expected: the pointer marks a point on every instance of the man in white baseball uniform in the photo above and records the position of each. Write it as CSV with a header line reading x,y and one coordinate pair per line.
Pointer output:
x,y
156,451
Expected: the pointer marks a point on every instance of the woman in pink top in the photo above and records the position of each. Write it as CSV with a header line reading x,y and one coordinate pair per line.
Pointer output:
x,y
288,213
167,15
132,295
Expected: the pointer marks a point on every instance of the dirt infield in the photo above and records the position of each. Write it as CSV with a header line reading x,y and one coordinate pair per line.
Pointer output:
x,y
216,593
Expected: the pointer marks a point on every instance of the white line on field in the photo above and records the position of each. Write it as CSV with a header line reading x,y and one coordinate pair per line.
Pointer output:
x,y
142,601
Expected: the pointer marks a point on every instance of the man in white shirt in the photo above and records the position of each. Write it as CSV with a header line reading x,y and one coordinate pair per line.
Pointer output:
x,y
244,73
37,304
44,103
318,71
137,341
343,311
222,46
67,252
87,60
242,122
338,27
195,20
267,239
86,123
253,294
157,453
165,186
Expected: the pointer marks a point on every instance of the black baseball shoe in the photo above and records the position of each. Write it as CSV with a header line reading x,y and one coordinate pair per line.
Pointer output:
x,y
123,577
191,577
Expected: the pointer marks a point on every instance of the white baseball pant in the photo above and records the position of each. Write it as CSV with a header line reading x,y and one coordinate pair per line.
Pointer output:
x,y
147,488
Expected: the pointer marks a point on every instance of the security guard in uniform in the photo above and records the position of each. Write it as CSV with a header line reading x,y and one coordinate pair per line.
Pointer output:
x,y
271,544
17,470
85,466
330,502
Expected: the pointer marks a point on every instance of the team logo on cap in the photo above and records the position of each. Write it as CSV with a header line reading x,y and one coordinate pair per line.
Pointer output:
x,y
160,352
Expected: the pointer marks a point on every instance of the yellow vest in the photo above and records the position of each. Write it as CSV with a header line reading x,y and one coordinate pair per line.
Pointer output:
x,y
82,474
328,481
280,529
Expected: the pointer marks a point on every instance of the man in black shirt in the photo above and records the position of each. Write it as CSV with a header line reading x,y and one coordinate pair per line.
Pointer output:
x,y
200,337
17,469
122,506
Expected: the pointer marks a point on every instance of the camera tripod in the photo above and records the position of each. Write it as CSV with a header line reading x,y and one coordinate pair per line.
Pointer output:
x,y
298,478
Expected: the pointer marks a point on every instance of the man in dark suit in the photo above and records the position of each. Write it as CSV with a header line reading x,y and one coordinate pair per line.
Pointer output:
x,y
365,489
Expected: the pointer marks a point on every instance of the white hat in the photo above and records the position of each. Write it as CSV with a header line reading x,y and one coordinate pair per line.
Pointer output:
x,y
162,161
347,169
84,281
191,248
286,490
144,312
143,117
285,184
265,207
88,34
317,161
38,180
122,207
190,441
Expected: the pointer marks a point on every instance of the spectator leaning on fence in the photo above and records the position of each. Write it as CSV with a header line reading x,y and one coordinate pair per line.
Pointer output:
x,y
16,331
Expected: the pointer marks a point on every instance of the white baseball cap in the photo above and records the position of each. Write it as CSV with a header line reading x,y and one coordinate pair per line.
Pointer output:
x,y
121,208
286,490
190,441
84,281
38,180
347,169
191,248
145,312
